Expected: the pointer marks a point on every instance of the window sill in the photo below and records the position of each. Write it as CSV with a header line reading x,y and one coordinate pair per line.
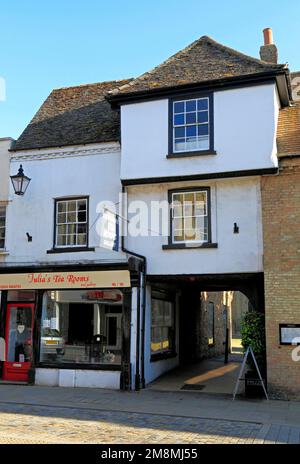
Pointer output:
x,y
92,367
188,154
162,356
3,252
70,250
185,246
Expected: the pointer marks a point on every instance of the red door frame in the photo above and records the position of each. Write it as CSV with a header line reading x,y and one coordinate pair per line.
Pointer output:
x,y
16,371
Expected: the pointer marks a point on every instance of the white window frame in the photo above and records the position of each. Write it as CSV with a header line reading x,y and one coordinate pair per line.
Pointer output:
x,y
57,224
206,192
197,124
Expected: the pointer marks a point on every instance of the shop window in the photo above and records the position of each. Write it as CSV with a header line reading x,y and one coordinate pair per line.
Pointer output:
x,y
82,327
211,323
162,327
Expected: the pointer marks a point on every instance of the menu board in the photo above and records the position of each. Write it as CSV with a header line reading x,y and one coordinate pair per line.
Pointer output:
x,y
289,334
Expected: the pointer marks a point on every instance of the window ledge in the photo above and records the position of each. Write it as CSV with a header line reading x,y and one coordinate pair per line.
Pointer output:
x,y
3,252
188,154
82,366
184,246
162,356
70,250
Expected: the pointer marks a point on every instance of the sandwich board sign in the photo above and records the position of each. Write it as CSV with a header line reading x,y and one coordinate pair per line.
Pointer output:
x,y
249,351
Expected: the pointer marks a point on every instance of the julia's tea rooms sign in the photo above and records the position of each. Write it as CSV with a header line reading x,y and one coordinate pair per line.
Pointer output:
x,y
65,280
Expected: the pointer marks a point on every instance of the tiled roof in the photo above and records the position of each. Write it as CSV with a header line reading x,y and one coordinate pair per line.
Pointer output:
x,y
295,82
288,133
71,116
203,60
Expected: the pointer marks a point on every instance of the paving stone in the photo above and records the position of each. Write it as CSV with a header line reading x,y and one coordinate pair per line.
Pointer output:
x,y
294,437
273,433
31,425
48,415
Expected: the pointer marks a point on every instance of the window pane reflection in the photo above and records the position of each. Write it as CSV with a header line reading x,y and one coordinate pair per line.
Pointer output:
x,y
82,327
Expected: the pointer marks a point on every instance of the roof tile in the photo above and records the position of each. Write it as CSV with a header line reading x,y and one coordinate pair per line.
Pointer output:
x,y
203,60
71,116
288,132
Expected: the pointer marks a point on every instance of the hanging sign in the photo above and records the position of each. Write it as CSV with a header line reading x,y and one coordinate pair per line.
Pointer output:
x,y
109,235
65,280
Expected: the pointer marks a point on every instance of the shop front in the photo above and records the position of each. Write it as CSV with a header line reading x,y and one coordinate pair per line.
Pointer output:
x,y
66,328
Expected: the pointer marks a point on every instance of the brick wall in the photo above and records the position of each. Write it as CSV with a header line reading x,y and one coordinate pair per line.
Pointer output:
x,y
281,226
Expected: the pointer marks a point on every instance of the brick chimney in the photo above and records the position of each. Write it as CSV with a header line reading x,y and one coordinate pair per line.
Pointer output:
x,y
268,51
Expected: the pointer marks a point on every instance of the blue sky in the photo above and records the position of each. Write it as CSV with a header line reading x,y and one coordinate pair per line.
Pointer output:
x,y
50,44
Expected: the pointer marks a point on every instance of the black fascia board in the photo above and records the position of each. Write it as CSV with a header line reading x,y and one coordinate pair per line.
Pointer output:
x,y
197,177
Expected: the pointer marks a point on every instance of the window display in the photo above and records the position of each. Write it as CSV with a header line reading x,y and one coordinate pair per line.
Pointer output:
x,y
83,327
162,326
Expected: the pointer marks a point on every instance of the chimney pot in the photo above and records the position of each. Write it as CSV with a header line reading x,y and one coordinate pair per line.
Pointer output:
x,y
268,36
268,51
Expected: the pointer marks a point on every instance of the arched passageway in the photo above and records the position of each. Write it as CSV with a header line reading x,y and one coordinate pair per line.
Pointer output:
x,y
211,309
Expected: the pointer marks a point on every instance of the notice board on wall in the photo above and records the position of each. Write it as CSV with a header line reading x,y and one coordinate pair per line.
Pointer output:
x,y
289,334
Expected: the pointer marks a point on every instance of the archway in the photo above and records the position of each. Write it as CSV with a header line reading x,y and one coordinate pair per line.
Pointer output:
x,y
211,309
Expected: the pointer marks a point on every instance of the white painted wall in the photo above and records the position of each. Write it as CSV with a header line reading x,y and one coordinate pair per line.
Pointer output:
x,y
244,126
93,171
77,378
5,144
233,200
133,334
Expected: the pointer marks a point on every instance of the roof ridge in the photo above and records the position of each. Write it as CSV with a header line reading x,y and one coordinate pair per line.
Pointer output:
x,y
168,60
243,55
203,39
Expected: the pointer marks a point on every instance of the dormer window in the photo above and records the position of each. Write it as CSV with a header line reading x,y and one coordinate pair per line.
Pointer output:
x,y
191,126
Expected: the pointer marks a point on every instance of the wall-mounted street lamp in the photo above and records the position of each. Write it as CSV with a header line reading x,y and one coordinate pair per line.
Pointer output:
x,y
20,182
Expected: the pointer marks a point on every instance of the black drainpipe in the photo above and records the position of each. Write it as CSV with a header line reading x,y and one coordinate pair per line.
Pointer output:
x,y
140,342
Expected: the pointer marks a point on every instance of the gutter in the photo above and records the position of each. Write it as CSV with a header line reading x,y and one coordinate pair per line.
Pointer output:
x,y
288,156
140,335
